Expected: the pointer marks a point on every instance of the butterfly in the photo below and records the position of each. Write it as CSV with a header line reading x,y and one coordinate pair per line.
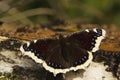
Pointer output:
x,y
65,53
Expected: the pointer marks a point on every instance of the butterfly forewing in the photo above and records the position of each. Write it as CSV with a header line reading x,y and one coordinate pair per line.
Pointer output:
x,y
86,39
42,47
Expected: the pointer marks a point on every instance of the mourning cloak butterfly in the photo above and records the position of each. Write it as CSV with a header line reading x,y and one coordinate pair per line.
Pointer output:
x,y
65,53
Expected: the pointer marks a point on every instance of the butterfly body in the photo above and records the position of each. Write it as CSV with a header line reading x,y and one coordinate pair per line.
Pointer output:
x,y
65,53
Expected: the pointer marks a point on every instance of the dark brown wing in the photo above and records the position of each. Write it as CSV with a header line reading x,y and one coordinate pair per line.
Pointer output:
x,y
42,47
88,39
54,54
67,53
48,50
75,55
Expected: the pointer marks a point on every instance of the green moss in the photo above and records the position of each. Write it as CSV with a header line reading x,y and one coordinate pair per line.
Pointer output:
x,y
8,76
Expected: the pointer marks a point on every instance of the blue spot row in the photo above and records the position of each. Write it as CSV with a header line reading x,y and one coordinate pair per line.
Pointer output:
x,y
54,65
81,61
92,43
99,32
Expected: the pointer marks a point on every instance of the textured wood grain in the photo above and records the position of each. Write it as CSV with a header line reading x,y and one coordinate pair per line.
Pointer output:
x,y
27,32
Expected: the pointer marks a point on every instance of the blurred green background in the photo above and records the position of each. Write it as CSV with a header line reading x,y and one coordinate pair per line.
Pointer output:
x,y
60,11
